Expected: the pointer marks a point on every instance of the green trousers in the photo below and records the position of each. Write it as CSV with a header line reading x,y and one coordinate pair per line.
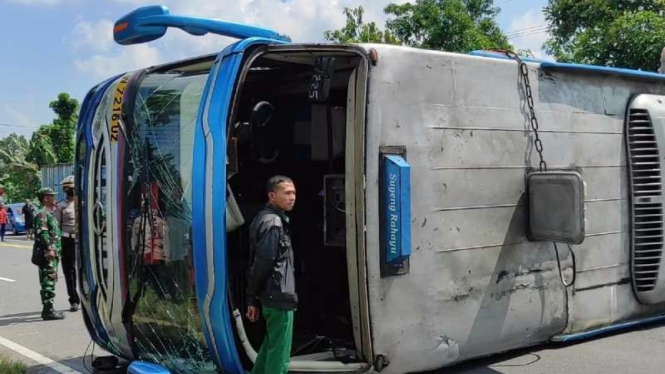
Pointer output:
x,y
275,351
48,275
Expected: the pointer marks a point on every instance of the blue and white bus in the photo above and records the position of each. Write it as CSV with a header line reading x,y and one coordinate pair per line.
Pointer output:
x,y
450,206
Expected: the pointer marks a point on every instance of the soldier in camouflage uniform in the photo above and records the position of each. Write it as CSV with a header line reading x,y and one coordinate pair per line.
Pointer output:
x,y
47,236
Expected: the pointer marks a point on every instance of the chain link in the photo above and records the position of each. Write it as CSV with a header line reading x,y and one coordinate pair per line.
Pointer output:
x,y
524,70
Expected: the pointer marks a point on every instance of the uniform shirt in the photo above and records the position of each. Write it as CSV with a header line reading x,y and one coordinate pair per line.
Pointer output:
x,y
47,230
66,216
154,243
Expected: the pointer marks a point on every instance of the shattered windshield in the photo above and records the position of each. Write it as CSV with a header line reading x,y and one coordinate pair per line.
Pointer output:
x,y
166,324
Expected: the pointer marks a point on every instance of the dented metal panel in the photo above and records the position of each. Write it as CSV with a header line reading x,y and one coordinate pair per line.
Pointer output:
x,y
476,284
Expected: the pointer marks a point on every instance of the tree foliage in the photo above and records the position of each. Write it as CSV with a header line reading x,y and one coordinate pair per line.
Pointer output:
x,y
621,33
357,31
450,25
21,160
54,143
63,129
19,176
41,149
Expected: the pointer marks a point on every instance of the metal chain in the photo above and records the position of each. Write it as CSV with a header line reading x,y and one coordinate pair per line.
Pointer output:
x,y
529,99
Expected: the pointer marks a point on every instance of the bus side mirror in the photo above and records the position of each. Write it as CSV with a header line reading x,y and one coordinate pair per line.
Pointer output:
x,y
141,367
132,28
148,23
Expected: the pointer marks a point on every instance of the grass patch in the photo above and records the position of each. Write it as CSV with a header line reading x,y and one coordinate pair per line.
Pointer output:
x,y
8,366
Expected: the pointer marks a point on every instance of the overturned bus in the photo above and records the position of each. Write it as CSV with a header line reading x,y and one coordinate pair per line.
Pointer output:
x,y
450,206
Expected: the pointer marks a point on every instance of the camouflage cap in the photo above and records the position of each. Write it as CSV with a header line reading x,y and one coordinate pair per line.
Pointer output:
x,y
45,192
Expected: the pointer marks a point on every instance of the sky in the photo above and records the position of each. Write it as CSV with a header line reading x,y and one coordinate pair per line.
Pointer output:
x,y
53,46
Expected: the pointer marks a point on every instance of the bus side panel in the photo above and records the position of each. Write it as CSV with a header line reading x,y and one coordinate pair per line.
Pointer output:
x,y
476,284
603,292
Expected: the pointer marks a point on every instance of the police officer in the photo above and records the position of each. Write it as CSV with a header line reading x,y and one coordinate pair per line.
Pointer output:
x,y
47,238
66,216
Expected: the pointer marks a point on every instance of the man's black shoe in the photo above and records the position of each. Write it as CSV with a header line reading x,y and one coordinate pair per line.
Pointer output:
x,y
48,314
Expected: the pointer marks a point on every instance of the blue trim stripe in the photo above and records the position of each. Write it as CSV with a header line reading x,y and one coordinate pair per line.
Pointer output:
x,y
608,329
198,212
553,65
222,90
219,307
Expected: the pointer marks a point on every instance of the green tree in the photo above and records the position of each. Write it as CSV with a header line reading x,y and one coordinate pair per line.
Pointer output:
x,y
450,25
54,143
357,31
621,33
19,176
63,129
41,150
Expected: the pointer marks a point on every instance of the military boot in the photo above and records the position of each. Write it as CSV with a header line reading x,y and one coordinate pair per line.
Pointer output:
x,y
49,314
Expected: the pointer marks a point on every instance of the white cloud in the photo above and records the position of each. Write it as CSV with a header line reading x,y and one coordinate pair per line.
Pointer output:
x,y
302,20
98,37
126,59
529,32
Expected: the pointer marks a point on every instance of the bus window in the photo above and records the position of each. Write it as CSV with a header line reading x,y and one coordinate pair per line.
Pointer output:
x,y
158,218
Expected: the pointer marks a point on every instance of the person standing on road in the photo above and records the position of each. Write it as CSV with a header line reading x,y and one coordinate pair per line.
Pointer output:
x,y
4,219
66,216
272,278
28,212
47,238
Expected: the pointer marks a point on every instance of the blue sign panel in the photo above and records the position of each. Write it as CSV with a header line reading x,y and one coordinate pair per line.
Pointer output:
x,y
396,200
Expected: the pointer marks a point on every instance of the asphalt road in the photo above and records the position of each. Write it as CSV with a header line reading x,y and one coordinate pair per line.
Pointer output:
x,y
63,341
62,344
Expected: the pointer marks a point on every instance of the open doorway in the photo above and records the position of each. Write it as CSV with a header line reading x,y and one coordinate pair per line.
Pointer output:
x,y
290,118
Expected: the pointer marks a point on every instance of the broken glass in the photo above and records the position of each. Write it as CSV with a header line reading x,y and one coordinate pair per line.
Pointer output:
x,y
165,321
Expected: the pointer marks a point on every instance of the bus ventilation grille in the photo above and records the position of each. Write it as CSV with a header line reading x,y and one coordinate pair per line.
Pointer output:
x,y
646,200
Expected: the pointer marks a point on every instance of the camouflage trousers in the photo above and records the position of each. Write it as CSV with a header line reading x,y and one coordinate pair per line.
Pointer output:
x,y
48,275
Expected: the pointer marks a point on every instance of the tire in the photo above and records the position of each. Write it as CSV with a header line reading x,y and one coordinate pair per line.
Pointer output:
x,y
14,231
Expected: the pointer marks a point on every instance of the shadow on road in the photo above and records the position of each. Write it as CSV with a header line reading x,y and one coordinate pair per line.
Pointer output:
x,y
492,364
26,317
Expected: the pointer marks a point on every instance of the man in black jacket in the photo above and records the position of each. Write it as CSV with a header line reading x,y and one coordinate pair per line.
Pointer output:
x,y
271,276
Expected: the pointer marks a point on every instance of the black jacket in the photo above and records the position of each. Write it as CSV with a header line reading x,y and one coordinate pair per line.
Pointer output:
x,y
271,273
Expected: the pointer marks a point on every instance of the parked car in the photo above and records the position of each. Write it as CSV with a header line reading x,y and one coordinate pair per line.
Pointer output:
x,y
16,224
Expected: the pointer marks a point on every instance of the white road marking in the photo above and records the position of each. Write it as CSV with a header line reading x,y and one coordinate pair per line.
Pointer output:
x,y
7,280
10,245
43,360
